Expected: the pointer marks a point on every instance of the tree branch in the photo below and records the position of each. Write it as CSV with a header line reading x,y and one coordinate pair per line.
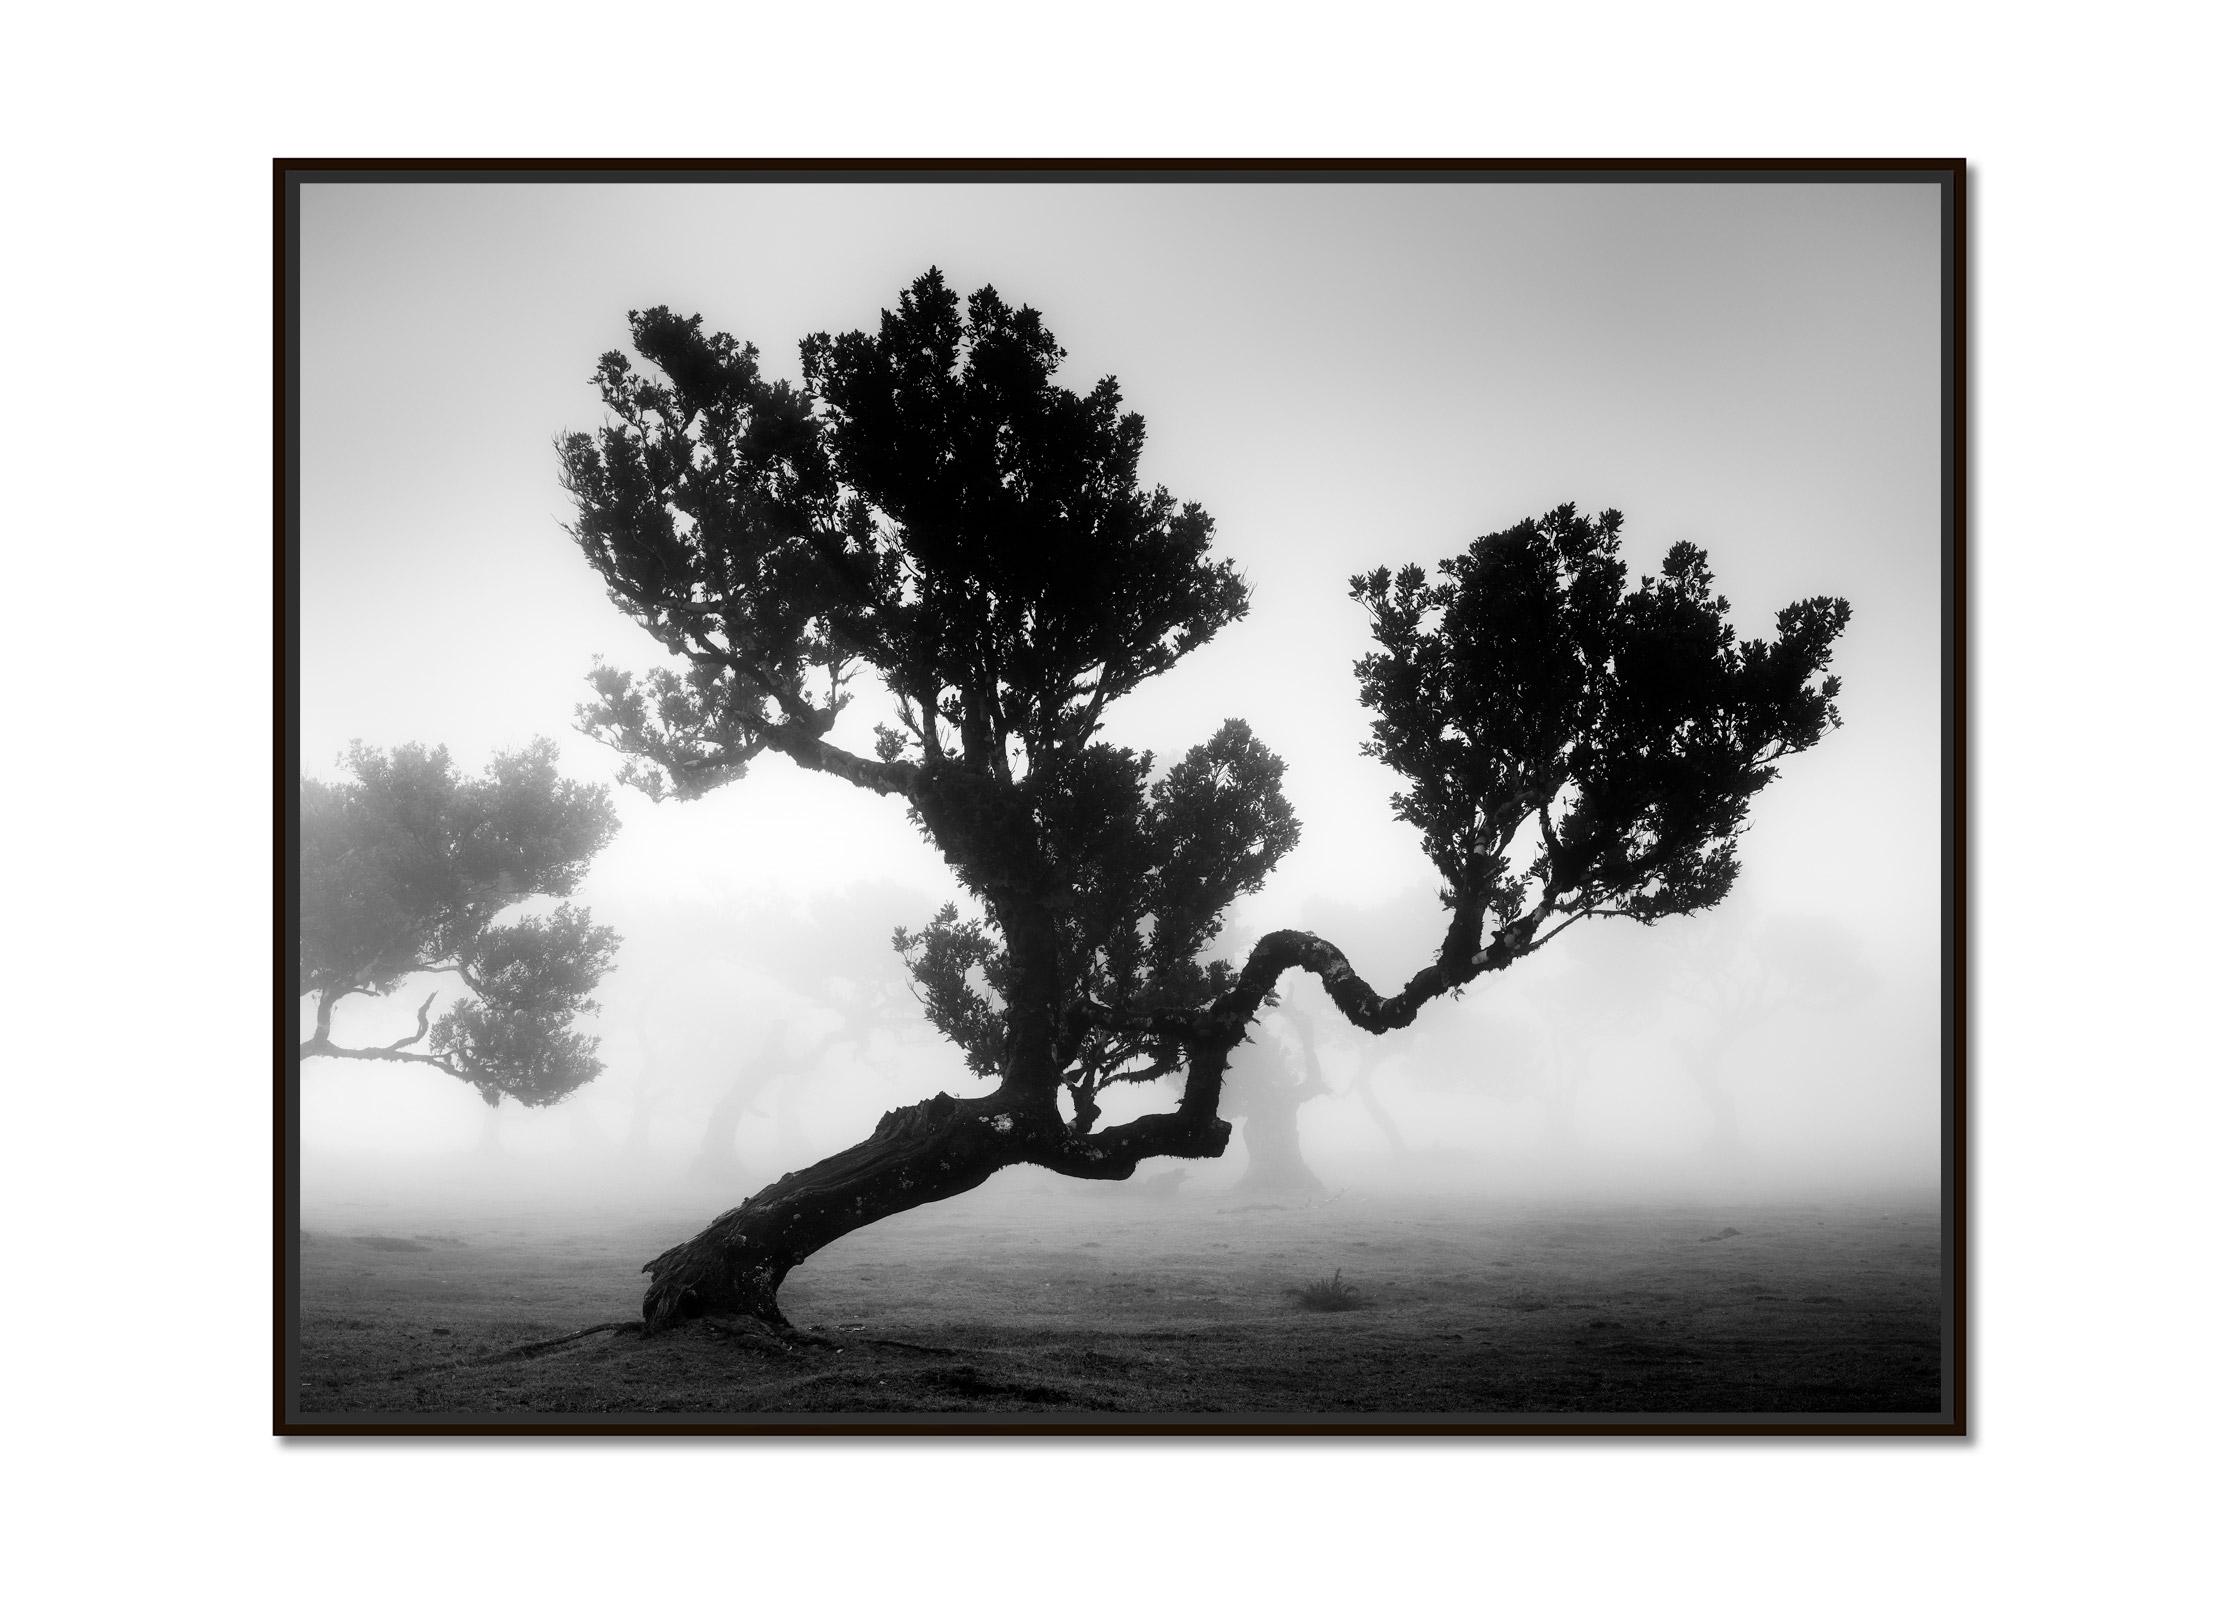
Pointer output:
x,y
1223,1020
319,1044
420,1032
805,749
312,1048
1193,1129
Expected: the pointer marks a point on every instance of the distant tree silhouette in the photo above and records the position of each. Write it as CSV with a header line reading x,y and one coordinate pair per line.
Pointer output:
x,y
406,871
1736,977
1266,1084
745,1000
1457,1048
933,512
718,1154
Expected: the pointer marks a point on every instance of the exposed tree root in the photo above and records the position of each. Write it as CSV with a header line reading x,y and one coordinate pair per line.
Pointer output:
x,y
923,1349
741,1331
522,1352
777,1338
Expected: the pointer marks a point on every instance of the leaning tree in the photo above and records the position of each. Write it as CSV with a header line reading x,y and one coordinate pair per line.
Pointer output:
x,y
406,872
930,509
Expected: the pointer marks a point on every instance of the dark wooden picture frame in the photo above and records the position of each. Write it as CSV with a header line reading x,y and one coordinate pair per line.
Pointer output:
x,y
1851,1294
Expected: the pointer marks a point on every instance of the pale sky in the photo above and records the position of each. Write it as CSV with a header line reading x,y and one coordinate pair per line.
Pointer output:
x,y
1346,375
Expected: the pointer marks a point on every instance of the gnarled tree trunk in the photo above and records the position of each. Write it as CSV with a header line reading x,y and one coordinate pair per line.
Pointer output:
x,y
944,1146
930,1151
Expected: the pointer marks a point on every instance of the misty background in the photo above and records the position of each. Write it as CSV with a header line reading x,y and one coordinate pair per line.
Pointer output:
x,y
1347,376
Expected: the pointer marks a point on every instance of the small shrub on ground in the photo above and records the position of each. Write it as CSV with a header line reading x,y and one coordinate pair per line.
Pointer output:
x,y
1330,1294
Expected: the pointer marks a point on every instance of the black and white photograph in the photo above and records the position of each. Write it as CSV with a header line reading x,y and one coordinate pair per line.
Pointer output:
x,y
1094,798
1217,799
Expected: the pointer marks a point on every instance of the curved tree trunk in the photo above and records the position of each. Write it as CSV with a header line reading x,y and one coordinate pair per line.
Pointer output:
x,y
930,1151
944,1146
933,1150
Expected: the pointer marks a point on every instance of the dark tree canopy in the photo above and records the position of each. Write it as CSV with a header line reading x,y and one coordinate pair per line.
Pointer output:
x,y
1152,895
406,871
1627,727
933,510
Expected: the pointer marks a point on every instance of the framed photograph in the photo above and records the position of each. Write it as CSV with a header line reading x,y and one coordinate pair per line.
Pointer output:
x,y
1024,797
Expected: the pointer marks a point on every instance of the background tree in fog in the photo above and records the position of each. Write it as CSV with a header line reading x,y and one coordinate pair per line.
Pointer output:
x,y
1603,987
933,514
1736,976
1461,1047
1268,1080
406,872
738,1005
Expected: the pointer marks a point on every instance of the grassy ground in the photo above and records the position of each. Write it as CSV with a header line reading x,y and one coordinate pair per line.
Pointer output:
x,y
1081,1300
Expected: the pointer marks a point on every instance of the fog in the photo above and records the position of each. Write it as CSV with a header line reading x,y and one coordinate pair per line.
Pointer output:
x,y
1737,1054
1347,376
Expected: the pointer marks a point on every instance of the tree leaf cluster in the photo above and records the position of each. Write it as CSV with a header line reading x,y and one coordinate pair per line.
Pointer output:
x,y
1573,745
1158,865
406,870
932,507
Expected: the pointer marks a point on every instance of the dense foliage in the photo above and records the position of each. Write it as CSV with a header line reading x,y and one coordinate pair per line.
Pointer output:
x,y
930,508
935,509
1528,687
406,871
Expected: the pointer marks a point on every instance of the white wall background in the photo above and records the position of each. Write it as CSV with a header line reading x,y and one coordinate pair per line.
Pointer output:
x,y
138,616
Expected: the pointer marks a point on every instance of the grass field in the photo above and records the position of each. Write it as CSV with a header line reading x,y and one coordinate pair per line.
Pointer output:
x,y
1037,1297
